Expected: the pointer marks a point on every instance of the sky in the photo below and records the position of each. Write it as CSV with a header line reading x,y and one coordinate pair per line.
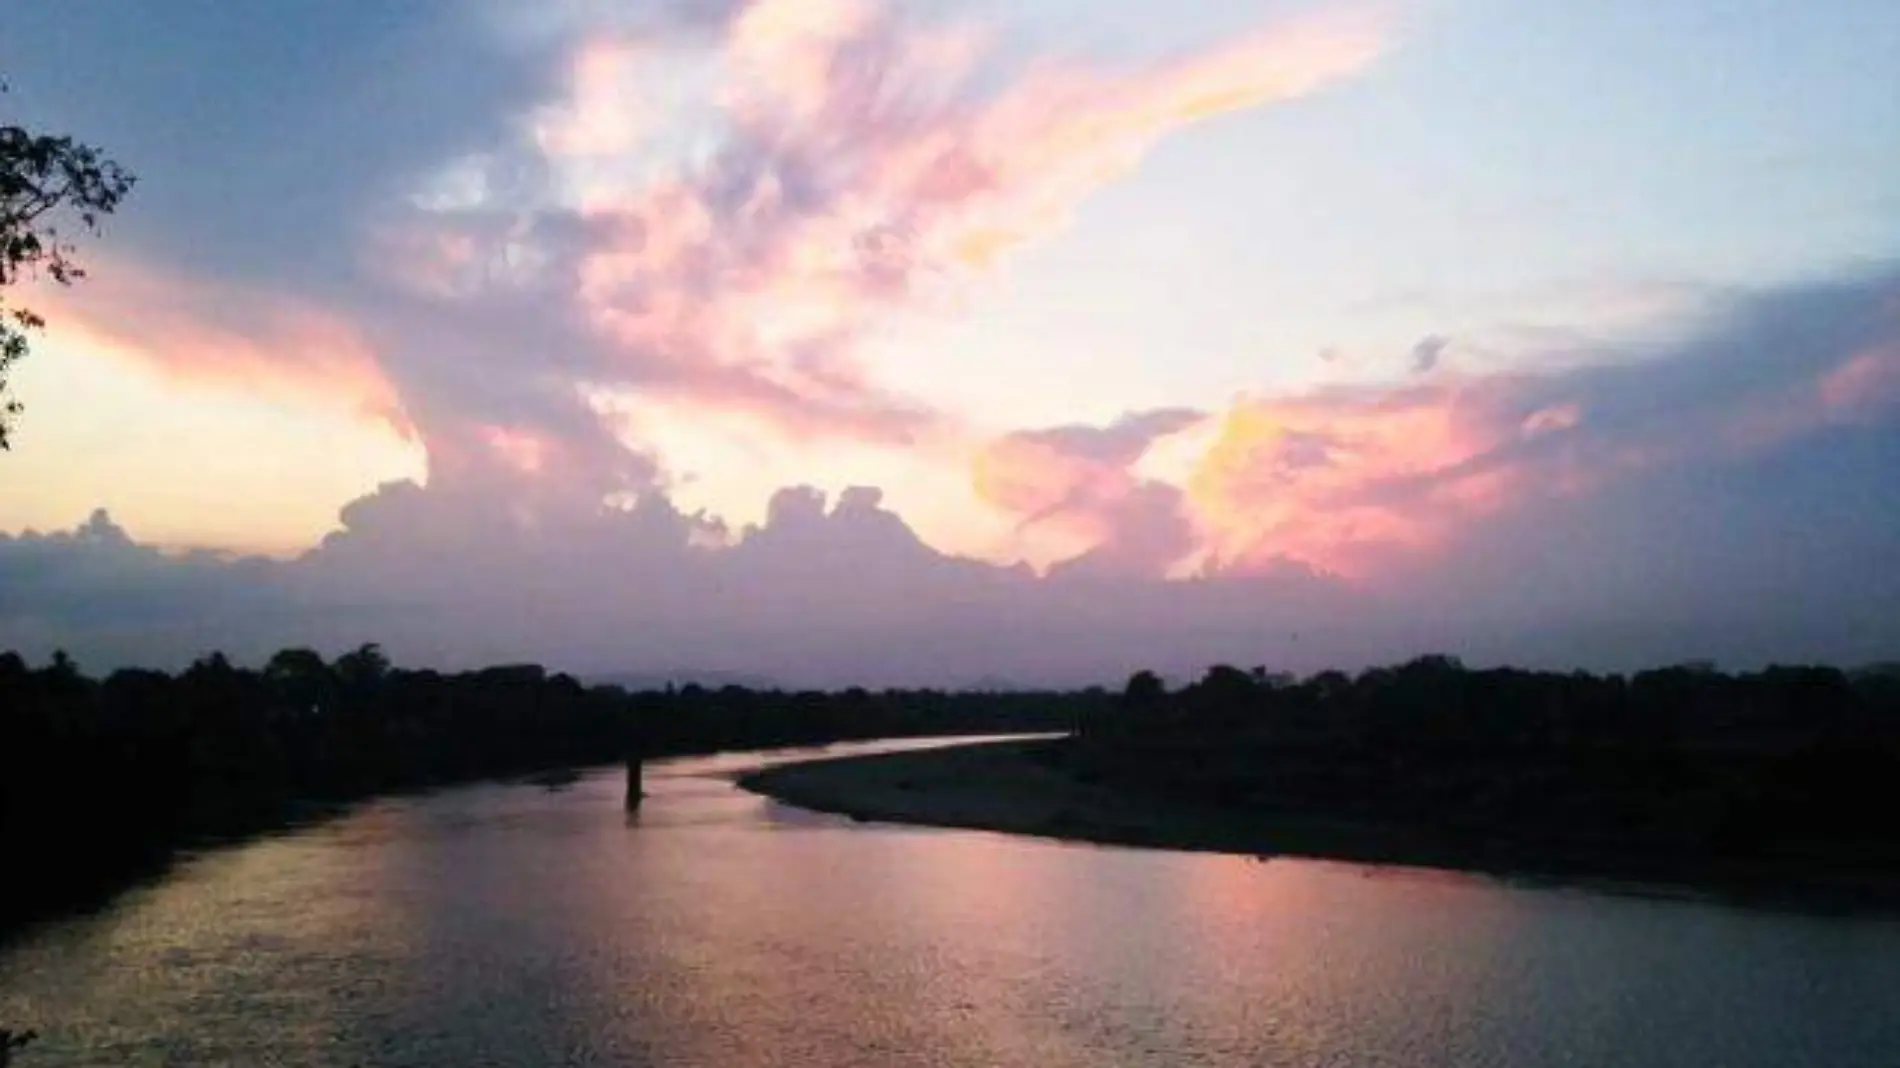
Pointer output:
x,y
885,341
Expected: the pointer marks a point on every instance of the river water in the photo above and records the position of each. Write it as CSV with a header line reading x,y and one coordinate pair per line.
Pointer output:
x,y
513,925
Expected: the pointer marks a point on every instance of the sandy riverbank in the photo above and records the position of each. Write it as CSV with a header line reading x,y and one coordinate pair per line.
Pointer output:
x,y
1001,786
992,786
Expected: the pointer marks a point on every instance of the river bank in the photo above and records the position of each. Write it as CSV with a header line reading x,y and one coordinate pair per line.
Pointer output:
x,y
1022,788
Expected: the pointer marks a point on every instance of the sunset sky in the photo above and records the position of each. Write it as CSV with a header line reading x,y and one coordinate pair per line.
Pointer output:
x,y
645,334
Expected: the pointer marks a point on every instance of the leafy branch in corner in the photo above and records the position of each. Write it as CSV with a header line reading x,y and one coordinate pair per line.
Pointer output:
x,y
9,1042
44,180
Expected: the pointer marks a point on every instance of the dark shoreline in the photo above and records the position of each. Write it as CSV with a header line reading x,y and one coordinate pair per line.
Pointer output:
x,y
1011,787
97,888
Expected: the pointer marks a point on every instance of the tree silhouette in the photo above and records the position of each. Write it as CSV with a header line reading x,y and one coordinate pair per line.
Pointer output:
x,y
9,1042
1783,775
1143,699
43,180
362,668
301,680
101,780
1144,691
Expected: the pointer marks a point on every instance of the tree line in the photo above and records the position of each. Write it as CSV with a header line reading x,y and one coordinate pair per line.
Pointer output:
x,y
1679,772
101,779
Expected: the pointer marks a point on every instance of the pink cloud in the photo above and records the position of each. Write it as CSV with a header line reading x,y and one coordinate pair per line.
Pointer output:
x,y
857,162
1375,482
1312,478
602,115
1864,385
1368,481
229,336
812,169
1077,485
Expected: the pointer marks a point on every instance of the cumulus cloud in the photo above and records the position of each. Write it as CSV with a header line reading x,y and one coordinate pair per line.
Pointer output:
x,y
1364,480
709,207
672,206
1081,480
1615,515
96,590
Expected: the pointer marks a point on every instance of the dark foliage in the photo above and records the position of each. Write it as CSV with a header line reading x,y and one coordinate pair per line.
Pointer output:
x,y
1680,772
10,1042
44,179
100,780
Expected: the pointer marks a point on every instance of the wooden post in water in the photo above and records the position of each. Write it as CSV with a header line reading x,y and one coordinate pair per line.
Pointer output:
x,y
634,792
636,749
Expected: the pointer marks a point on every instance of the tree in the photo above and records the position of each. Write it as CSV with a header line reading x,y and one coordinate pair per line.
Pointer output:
x,y
301,679
1144,693
44,180
1226,683
296,665
10,1042
361,669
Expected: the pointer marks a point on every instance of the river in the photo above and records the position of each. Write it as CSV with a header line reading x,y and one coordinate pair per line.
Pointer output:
x,y
515,925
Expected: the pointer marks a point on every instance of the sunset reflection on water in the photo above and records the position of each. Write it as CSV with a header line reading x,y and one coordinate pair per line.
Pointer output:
x,y
516,925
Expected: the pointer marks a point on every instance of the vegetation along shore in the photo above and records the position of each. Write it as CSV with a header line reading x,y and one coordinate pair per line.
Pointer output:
x,y
103,780
1776,785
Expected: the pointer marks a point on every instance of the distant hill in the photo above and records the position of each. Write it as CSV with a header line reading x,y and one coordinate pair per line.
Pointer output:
x,y
1003,684
638,681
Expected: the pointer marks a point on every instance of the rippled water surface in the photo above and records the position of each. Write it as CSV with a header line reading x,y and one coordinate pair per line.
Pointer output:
x,y
511,925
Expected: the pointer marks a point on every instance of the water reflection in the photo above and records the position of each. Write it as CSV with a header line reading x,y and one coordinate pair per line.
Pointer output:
x,y
511,925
